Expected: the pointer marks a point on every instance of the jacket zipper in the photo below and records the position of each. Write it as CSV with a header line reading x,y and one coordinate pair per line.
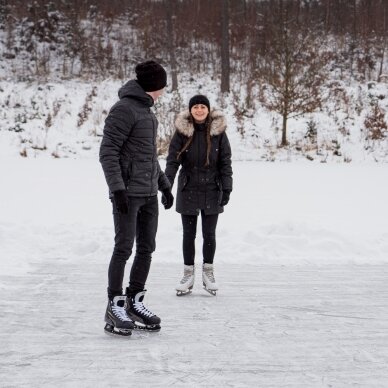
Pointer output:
x,y
153,153
198,164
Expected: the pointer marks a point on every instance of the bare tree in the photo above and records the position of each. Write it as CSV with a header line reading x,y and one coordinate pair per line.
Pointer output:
x,y
293,72
384,41
171,44
225,60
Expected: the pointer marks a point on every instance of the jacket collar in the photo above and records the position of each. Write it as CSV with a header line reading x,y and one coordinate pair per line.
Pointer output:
x,y
133,90
184,124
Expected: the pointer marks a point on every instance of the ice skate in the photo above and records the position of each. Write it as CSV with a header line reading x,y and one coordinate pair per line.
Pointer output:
x,y
143,318
186,284
209,283
116,318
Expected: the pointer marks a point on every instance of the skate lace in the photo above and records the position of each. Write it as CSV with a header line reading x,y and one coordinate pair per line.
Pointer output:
x,y
139,307
120,313
186,277
210,276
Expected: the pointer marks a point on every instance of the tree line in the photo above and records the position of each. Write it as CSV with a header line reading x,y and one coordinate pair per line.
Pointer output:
x,y
106,38
281,50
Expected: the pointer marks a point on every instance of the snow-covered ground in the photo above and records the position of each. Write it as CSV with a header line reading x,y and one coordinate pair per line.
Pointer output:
x,y
65,120
302,263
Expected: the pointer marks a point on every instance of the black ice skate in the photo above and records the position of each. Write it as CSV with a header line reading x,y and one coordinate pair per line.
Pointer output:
x,y
116,318
141,316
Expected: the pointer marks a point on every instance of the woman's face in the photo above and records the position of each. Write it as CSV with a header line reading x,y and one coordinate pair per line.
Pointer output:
x,y
199,112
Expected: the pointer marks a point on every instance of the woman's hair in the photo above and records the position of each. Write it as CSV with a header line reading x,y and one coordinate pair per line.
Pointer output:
x,y
208,123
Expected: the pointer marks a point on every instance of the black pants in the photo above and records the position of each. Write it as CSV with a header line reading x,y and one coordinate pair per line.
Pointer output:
x,y
209,224
141,223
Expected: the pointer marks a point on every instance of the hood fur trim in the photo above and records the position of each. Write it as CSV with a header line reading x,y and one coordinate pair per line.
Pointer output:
x,y
184,125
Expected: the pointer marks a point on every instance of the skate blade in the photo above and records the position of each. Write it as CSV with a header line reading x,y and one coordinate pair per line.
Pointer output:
x,y
211,292
150,328
111,330
182,293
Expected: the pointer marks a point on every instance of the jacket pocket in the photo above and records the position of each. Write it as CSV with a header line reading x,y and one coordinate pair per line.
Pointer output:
x,y
219,184
129,172
183,181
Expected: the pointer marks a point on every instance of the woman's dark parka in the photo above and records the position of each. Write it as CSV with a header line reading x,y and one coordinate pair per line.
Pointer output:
x,y
128,151
199,186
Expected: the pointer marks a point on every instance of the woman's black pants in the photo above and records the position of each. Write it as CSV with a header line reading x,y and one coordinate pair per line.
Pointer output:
x,y
209,224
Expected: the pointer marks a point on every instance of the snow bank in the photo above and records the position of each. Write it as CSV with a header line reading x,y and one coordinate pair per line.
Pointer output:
x,y
66,119
279,213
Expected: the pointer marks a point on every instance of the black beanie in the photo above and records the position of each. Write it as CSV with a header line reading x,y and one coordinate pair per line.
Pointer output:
x,y
151,76
199,99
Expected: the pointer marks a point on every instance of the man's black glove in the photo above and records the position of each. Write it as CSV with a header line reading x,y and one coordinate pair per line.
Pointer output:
x,y
121,201
167,198
225,198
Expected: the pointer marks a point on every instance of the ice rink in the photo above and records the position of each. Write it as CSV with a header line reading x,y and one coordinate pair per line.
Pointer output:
x,y
301,262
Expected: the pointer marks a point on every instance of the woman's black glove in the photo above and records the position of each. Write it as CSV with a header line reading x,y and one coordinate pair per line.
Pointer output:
x,y
121,201
225,198
167,198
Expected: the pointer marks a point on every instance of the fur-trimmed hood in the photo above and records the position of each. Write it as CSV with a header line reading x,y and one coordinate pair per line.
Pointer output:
x,y
184,124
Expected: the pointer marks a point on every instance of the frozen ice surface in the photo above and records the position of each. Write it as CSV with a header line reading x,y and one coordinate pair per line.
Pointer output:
x,y
301,263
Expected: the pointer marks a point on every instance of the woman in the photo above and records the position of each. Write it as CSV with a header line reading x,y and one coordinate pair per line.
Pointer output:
x,y
200,146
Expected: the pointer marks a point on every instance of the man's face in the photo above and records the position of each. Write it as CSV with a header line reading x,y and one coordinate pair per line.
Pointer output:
x,y
155,95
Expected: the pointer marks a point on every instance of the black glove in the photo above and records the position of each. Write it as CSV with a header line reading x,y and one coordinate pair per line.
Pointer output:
x,y
121,201
225,198
167,198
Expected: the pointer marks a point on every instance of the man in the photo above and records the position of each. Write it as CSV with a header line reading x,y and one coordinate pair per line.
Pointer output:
x,y
128,155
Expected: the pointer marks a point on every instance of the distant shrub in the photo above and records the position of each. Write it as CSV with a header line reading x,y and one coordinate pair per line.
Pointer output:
x,y
375,123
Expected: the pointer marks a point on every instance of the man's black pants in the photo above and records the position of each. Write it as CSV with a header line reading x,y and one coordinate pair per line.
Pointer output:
x,y
141,223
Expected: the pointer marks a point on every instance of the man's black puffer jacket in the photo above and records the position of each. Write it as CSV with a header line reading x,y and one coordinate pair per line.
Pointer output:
x,y
128,151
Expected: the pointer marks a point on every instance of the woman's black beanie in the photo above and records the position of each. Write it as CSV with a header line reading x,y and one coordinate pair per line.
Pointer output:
x,y
199,99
